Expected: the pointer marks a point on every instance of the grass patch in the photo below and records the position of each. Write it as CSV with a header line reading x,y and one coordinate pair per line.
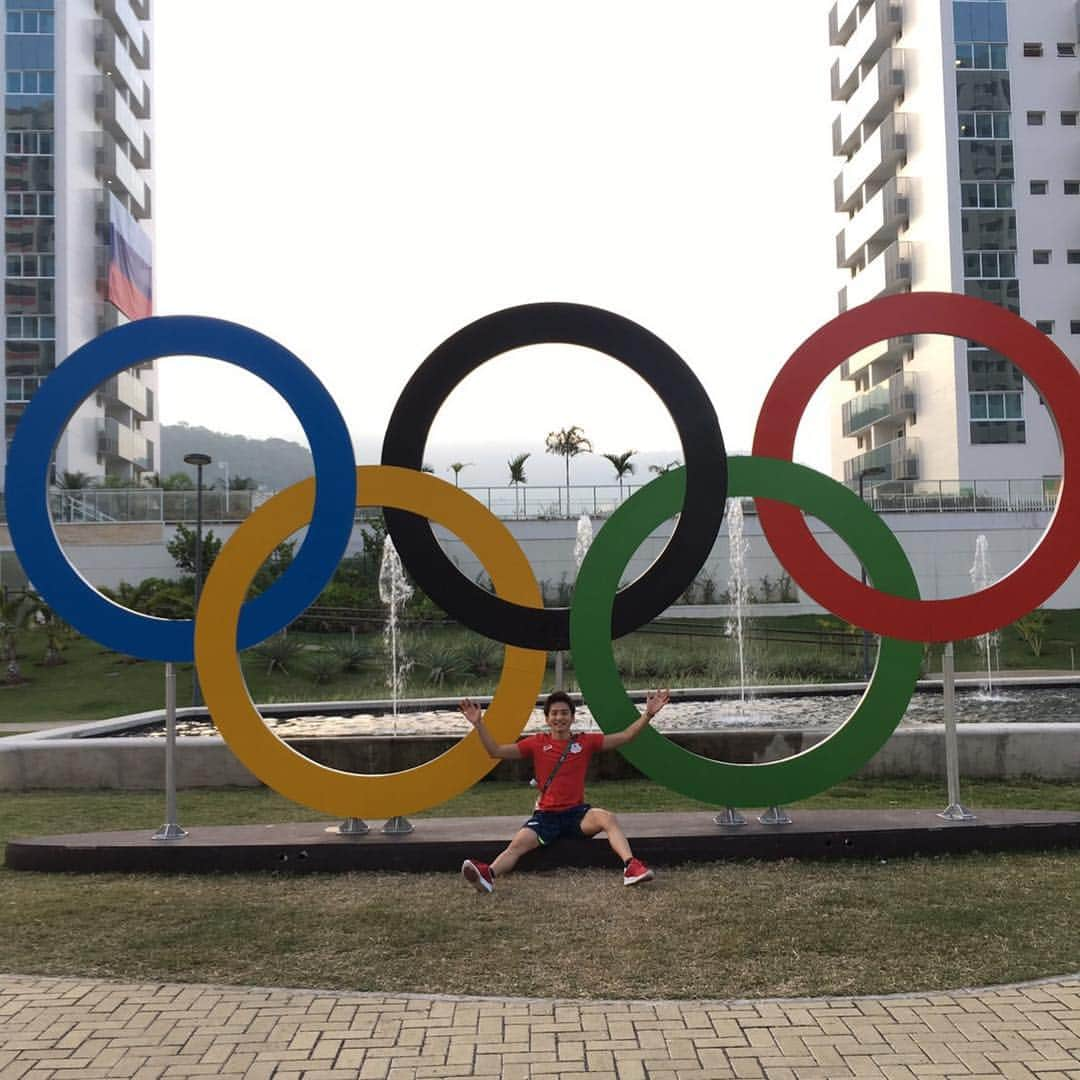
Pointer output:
x,y
95,683
719,930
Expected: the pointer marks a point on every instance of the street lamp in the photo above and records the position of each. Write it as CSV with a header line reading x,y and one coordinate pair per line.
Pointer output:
x,y
876,470
200,461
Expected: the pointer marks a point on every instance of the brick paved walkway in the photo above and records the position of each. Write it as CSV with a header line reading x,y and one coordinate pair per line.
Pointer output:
x,y
84,1028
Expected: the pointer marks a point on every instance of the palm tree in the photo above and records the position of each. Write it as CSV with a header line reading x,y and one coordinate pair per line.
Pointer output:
x,y
661,469
516,465
456,467
623,466
568,443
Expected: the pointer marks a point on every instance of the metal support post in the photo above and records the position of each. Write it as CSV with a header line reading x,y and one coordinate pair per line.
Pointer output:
x,y
775,815
170,830
398,826
729,818
955,811
351,826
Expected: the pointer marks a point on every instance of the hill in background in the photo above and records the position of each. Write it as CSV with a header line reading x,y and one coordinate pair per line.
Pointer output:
x,y
272,463
276,463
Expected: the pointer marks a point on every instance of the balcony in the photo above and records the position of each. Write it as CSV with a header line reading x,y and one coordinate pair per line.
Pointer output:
x,y
893,351
878,92
116,440
115,169
879,157
879,25
843,19
121,16
890,400
112,58
890,272
899,459
877,223
113,113
130,392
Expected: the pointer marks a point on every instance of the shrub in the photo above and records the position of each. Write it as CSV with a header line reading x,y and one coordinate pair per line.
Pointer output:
x,y
278,652
322,667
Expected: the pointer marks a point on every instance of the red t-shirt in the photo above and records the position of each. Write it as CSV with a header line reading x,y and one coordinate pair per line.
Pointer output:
x,y
568,787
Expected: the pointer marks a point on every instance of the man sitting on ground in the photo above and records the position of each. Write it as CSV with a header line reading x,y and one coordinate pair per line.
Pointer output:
x,y
560,759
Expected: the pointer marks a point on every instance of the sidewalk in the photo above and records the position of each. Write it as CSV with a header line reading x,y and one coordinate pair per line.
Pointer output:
x,y
61,1027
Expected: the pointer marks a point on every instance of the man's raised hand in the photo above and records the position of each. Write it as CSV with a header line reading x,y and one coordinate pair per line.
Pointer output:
x,y
471,711
655,700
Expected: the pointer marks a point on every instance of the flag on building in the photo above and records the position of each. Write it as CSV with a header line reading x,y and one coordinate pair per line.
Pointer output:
x,y
130,258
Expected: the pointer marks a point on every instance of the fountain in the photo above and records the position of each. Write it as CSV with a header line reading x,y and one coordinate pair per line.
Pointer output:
x,y
981,578
394,592
584,539
738,547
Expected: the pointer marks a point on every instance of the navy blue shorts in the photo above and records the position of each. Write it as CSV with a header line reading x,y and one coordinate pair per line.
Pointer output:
x,y
552,825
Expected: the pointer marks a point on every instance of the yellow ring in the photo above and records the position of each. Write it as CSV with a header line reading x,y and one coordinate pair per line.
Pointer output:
x,y
299,778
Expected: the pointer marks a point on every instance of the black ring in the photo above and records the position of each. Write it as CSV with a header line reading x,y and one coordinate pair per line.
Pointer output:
x,y
641,351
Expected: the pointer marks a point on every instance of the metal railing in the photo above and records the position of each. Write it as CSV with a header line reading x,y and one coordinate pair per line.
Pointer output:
x,y
107,506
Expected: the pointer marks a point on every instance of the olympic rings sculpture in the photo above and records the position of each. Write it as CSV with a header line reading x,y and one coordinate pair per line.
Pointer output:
x,y
515,615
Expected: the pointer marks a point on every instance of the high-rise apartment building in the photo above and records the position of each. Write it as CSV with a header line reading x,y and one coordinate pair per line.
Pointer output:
x,y
959,128
77,204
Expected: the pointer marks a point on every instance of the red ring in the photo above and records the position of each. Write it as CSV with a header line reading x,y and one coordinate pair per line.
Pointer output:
x,y
1048,368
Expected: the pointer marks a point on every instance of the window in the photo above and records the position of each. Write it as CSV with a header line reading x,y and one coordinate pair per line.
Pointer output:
x,y
1033,48
30,327
1072,256
984,125
33,266
30,82
1072,187
30,204
29,143
1068,118
1066,48
989,264
30,22
1036,117
982,56
1074,326
1040,256
996,417
1039,187
1046,326
986,196
989,405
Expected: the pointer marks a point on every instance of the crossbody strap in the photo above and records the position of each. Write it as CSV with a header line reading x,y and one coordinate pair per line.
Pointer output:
x,y
558,766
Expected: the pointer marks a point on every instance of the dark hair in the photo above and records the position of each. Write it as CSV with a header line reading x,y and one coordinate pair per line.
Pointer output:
x,y
558,697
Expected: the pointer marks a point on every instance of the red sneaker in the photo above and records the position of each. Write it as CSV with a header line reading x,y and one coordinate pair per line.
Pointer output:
x,y
479,876
635,872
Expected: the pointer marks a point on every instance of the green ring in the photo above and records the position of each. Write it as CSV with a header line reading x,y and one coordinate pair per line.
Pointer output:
x,y
722,783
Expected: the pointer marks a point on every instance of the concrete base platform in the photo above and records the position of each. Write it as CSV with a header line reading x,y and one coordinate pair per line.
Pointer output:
x,y
440,844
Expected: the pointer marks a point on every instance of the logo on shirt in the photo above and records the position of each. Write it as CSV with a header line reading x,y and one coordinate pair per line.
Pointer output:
x,y
575,748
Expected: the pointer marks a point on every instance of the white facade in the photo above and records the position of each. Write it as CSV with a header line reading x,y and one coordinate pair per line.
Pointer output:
x,y
89,130
948,183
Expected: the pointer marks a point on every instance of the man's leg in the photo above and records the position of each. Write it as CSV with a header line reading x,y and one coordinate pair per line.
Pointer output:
x,y
597,820
525,840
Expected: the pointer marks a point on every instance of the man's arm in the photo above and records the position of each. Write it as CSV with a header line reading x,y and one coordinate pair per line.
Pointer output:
x,y
654,702
475,716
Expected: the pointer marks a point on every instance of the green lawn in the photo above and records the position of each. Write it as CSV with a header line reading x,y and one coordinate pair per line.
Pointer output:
x,y
742,929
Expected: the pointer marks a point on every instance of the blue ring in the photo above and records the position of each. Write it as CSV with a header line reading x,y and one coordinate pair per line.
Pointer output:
x,y
50,409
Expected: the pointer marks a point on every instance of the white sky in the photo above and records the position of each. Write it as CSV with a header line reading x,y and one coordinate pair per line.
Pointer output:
x,y
360,180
